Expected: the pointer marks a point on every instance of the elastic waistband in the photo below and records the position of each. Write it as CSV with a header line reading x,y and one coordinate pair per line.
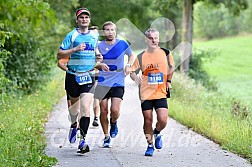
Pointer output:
x,y
118,70
92,72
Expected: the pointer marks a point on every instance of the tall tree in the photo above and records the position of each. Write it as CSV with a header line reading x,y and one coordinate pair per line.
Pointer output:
x,y
235,6
187,31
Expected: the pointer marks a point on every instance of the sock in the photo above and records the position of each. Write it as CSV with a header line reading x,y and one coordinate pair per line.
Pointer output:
x,y
150,144
95,118
156,132
74,125
84,124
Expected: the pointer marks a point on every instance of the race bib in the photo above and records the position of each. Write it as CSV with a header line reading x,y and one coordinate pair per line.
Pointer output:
x,y
83,78
155,78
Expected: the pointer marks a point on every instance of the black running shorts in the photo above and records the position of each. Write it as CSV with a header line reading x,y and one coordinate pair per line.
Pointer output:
x,y
103,92
74,89
156,103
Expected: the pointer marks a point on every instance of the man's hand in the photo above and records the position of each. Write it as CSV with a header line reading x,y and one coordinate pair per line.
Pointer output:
x,y
80,47
102,66
98,57
168,86
126,70
138,79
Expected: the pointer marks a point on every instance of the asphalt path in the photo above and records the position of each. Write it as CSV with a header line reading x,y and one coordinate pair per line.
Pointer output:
x,y
182,147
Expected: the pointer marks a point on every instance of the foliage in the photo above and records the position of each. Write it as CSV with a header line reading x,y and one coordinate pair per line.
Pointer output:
x,y
3,56
22,125
245,19
239,110
234,6
65,14
112,10
212,22
169,10
209,113
197,70
28,57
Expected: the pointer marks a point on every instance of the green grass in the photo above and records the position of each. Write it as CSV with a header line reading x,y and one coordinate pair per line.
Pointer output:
x,y
232,69
224,116
210,114
22,126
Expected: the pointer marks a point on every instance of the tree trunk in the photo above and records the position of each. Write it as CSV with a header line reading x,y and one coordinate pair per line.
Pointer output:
x,y
174,41
187,32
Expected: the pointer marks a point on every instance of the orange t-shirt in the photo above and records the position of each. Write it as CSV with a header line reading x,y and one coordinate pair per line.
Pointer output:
x,y
65,60
154,74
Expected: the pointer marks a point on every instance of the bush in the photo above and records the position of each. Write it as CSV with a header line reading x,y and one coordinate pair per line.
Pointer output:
x,y
27,65
25,26
197,70
211,22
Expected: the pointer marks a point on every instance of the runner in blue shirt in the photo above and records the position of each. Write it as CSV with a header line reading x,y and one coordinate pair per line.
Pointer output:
x,y
111,83
81,45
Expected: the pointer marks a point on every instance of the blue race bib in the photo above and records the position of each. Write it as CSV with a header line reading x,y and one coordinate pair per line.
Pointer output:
x,y
83,78
155,78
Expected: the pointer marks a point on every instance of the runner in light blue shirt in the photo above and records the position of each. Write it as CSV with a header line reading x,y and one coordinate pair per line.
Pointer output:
x,y
79,45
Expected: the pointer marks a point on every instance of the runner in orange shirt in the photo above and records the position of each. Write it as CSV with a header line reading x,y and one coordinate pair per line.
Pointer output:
x,y
157,69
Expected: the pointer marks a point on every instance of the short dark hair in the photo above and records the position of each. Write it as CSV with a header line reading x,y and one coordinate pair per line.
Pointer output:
x,y
108,23
94,28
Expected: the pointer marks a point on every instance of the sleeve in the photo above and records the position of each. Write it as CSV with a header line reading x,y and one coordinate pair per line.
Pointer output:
x,y
128,50
64,61
66,43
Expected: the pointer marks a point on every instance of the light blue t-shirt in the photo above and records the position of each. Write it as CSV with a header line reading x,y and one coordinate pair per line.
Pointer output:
x,y
81,61
113,56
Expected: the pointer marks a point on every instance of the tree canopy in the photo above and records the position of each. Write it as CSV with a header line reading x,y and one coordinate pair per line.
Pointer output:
x,y
31,31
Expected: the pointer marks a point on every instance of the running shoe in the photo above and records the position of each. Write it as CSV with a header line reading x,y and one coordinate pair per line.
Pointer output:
x,y
83,147
150,150
106,142
95,123
113,130
158,141
72,133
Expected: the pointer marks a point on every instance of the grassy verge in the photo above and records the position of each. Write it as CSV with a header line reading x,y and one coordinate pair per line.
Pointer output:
x,y
213,115
232,68
22,126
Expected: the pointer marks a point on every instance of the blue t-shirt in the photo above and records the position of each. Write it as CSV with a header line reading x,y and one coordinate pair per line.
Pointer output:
x,y
113,56
81,61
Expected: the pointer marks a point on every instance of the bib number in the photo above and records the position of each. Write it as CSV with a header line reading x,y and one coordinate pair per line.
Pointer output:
x,y
83,78
155,78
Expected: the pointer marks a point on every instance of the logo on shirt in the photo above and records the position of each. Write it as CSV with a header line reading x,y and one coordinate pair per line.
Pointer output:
x,y
152,66
89,46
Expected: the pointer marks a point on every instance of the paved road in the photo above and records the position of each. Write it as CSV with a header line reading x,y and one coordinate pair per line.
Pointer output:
x,y
182,147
